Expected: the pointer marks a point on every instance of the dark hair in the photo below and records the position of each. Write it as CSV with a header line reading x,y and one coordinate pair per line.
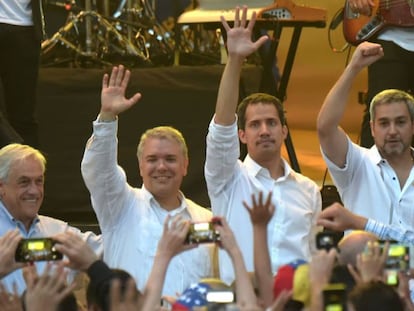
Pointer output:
x,y
98,293
257,98
376,296
68,303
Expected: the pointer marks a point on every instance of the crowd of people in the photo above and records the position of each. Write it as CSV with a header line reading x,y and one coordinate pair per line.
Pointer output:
x,y
264,222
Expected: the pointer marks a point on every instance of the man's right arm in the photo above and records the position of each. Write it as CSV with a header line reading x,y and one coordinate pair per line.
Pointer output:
x,y
332,138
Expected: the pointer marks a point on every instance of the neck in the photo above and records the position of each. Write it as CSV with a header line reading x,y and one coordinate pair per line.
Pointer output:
x,y
169,203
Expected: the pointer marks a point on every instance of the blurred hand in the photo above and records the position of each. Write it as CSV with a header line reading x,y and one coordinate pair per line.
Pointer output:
x,y
320,268
227,239
46,291
173,237
8,245
80,255
260,212
370,264
9,301
337,218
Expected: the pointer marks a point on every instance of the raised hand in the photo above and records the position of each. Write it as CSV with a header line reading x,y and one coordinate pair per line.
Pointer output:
x,y
260,212
370,264
113,100
365,54
239,38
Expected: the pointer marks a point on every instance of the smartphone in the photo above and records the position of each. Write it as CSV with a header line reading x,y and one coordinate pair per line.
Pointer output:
x,y
37,249
202,232
334,297
398,260
327,240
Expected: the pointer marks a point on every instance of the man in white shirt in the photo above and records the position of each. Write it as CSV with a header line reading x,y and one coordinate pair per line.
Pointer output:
x,y
261,123
131,219
376,183
22,170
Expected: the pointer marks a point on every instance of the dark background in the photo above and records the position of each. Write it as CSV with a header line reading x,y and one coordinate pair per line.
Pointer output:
x,y
69,100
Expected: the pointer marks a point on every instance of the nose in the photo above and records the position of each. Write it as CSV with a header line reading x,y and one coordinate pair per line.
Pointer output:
x,y
264,129
393,128
161,165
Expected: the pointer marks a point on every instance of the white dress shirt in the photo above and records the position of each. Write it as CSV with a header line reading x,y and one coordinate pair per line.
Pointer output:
x,y
132,221
42,226
292,229
368,186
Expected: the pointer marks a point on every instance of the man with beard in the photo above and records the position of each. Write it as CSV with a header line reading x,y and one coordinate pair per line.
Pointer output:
x,y
375,183
259,123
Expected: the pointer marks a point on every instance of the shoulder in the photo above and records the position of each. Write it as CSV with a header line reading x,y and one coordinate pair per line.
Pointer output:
x,y
198,212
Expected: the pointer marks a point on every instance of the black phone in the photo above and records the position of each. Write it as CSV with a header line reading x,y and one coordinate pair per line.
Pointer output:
x,y
327,240
334,297
37,249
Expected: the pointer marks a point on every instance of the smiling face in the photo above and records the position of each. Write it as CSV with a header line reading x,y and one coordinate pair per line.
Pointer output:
x,y
264,133
163,166
22,191
392,129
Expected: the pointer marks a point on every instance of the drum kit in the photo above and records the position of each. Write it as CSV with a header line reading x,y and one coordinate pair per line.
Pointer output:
x,y
99,33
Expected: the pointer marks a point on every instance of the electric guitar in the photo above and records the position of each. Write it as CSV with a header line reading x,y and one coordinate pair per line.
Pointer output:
x,y
358,27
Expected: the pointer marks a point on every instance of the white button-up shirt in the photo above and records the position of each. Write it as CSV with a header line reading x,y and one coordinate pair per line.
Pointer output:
x,y
292,229
368,186
42,226
132,221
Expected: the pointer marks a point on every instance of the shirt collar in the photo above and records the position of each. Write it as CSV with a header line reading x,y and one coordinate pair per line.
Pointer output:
x,y
376,157
255,169
13,220
153,202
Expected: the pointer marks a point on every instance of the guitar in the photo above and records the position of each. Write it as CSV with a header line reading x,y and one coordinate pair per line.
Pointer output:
x,y
358,27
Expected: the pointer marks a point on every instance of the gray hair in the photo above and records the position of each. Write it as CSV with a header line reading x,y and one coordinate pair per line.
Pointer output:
x,y
12,153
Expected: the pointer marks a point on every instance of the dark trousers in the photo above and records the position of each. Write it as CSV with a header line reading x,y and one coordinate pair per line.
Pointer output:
x,y
19,69
394,71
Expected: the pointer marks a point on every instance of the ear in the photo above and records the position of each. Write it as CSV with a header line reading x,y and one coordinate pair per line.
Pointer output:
x,y
242,136
371,125
185,167
285,131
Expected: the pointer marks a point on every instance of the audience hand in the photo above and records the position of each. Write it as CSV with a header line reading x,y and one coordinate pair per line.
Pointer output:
x,y
404,289
320,268
80,255
173,237
46,291
9,301
8,245
113,100
227,239
370,264
337,218
260,213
